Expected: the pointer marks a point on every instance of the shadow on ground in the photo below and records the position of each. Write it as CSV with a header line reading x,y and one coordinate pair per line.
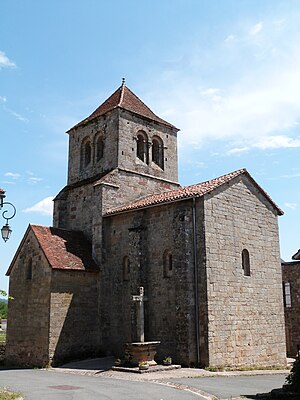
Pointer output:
x,y
95,364
275,394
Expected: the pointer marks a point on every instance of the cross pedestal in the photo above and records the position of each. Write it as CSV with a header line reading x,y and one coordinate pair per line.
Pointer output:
x,y
140,351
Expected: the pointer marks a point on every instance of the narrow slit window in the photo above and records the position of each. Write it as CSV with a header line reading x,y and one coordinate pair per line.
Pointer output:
x,y
168,264
29,270
126,269
246,262
287,298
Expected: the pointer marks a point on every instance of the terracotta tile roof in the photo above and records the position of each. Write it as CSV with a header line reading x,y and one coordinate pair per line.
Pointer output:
x,y
126,99
296,256
197,190
68,250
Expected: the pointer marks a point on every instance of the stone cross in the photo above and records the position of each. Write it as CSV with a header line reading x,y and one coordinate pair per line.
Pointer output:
x,y
139,299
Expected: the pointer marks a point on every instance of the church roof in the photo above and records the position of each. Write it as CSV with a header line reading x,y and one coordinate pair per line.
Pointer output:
x,y
65,250
187,192
124,98
296,256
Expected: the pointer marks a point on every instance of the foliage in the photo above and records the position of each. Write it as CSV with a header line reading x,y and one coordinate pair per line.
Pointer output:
x,y
6,395
293,379
143,363
4,294
3,310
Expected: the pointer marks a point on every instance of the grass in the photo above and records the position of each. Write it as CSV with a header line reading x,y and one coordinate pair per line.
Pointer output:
x,y
6,395
223,368
2,338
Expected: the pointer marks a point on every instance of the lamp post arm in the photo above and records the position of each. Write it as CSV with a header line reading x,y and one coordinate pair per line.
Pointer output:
x,y
14,211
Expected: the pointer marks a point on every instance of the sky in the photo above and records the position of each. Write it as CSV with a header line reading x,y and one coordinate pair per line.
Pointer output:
x,y
226,72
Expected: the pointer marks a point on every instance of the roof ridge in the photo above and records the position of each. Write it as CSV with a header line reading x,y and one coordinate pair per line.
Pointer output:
x,y
125,99
228,176
187,192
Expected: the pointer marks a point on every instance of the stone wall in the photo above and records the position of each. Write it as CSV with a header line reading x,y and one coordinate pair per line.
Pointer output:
x,y
28,313
119,129
74,211
129,125
107,126
291,275
145,237
74,319
245,313
82,207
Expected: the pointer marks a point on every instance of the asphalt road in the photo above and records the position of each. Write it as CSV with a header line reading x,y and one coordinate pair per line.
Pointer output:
x,y
234,386
49,385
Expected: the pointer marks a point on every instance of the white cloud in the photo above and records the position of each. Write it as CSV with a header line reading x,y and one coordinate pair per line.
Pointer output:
x,y
8,182
5,62
15,114
13,175
43,207
230,38
238,150
268,142
292,206
291,176
3,99
256,104
277,142
254,30
34,179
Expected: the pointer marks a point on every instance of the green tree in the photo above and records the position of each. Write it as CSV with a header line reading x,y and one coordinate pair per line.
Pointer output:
x,y
293,379
3,309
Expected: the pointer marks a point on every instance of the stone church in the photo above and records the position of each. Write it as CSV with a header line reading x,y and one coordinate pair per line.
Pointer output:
x,y
291,296
207,254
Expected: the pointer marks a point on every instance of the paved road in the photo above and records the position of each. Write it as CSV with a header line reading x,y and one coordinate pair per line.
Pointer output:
x,y
49,385
234,386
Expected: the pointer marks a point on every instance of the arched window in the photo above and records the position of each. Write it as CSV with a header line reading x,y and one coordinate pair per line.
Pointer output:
x,y
126,269
168,264
246,262
85,153
158,151
29,270
142,147
99,148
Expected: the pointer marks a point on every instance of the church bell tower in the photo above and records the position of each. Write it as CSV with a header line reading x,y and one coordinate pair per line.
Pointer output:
x,y
118,154
122,133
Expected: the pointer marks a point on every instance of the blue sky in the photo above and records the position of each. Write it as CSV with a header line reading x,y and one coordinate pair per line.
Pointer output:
x,y
225,72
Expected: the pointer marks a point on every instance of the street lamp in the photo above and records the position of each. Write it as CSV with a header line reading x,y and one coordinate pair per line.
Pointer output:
x,y
6,229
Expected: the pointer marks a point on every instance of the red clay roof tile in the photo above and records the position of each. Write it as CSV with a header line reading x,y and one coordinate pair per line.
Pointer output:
x,y
126,99
68,250
197,190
